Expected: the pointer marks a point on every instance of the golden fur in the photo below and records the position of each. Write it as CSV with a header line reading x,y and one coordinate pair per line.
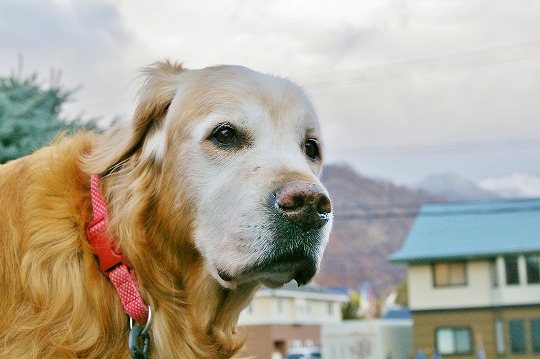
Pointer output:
x,y
55,302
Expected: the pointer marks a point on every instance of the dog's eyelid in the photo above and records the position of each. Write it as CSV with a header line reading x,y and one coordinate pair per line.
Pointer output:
x,y
312,139
219,127
225,135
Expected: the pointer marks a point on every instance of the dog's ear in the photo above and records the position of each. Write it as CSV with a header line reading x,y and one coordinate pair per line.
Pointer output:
x,y
157,92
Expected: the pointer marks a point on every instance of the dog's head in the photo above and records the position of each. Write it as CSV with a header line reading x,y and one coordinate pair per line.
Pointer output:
x,y
245,149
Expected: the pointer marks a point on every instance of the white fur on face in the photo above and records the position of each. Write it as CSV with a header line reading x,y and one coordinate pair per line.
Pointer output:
x,y
237,228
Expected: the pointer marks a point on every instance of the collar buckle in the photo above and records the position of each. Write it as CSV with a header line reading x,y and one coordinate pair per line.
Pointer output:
x,y
101,241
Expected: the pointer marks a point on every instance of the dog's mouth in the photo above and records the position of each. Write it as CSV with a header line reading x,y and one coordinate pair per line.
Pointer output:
x,y
283,251
275,272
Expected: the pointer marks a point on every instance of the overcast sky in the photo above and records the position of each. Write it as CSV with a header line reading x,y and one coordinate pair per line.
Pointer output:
x,y
404,89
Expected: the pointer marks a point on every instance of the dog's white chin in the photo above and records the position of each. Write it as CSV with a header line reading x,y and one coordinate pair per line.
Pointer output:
x,y
228,285
271,280
268,282
232,284
275,282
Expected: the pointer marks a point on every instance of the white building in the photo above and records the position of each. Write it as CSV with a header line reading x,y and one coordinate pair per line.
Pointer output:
x,y
278,319
294,305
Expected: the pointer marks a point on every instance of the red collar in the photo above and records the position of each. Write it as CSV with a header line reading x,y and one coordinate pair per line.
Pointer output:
x,y
111,261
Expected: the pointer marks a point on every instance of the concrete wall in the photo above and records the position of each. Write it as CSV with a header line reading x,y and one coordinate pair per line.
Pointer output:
x,y
368,339
261,338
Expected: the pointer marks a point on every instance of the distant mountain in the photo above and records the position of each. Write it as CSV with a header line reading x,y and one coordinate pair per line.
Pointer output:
x,y
372,219
456,188
515,185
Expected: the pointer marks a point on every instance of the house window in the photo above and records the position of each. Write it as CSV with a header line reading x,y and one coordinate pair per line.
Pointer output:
x,y
494,273
499,336
517,336
535,335
330,308
449,274
533,269
280,305
511,270
454,340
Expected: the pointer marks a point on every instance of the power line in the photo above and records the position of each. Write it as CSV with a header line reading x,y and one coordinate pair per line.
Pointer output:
x,y
453,62
391,213
451,147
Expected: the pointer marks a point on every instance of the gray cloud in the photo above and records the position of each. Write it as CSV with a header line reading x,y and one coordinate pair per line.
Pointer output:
x,y
81,30
427,74
84,40
400,85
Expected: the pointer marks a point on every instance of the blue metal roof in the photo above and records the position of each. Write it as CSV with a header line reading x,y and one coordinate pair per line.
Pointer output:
x,y
472,230
398,313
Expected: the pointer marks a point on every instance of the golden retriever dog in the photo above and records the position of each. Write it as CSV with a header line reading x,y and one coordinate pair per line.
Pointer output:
x,y
211,190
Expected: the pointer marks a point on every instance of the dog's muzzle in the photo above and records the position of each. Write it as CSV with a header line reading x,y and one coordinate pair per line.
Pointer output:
x,y
298,211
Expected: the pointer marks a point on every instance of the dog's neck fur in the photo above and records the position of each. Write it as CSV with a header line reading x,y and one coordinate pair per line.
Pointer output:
x,y
193,314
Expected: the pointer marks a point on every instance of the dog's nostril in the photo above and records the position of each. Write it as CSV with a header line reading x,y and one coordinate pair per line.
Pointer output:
x,y
324,206
288,203
304,204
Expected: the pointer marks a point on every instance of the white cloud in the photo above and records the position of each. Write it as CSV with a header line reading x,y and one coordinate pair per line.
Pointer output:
x,y
384,74
513,185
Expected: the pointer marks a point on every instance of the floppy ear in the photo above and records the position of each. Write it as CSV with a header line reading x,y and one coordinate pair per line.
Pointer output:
x,y
156,94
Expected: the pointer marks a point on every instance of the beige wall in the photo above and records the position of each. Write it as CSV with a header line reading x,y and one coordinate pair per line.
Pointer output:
x,y
287,310
478,292
424,295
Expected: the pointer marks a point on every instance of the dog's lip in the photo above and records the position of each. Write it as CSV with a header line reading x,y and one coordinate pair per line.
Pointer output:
x,y
225,276
275,273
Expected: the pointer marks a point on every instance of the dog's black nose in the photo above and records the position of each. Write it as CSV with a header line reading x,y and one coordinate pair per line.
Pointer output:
x,y
304,204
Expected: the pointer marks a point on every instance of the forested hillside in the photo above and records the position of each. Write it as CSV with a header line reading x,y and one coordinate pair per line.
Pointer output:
x,y
372,219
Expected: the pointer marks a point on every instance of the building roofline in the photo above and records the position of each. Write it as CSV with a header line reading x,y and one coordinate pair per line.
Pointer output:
x,y
290,291
472,230
477,308
397,259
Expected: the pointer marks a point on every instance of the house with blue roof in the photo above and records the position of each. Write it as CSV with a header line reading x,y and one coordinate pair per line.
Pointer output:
x,y
474,278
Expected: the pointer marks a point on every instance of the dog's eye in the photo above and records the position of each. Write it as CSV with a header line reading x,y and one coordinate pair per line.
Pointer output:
x,y
311,148
225,135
